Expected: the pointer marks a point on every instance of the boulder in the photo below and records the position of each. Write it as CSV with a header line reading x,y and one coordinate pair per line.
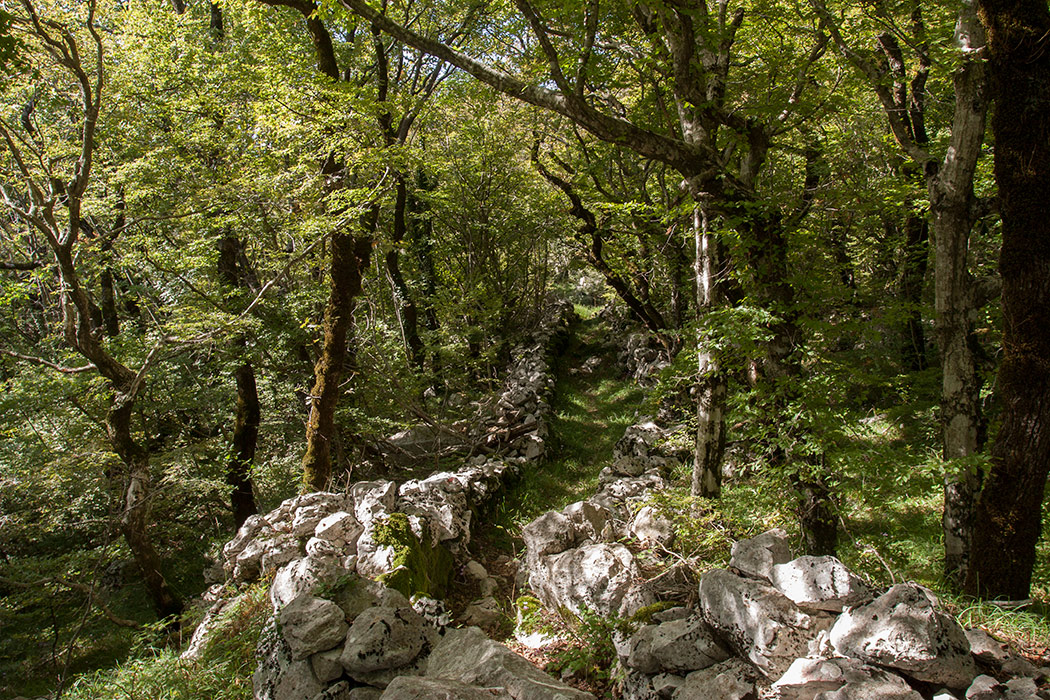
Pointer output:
x,y
985,688
326,665
591,522
665,684
278,676
307,518
417,688
339,691
996,655
677,646
841,679
383,638
820,583
303,576
279,551
650,528
354,594
757,556
729,680
484,613
373,499
373,558
311,625
635,685
253,527
441,501
551,533
903,629
596,577
758,621
468,656
341,529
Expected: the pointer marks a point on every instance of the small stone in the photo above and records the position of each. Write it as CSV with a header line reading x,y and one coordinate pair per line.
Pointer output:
x,y
651,529
729,680
551,533
326,665
484,613
984,688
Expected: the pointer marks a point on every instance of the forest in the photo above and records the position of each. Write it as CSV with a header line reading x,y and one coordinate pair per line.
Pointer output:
x,y
665,275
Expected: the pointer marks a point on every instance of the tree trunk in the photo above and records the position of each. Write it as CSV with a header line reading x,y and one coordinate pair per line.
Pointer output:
x,y
404,306
350,259
421,236
913,274
233,271
711,380
245,439
817,515
1008,518
951,207
110,320
135,518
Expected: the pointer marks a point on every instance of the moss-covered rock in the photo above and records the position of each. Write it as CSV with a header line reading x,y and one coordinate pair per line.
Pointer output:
x,y
419,567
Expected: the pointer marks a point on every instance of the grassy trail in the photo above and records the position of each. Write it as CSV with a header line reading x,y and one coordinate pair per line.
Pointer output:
x,y
589,412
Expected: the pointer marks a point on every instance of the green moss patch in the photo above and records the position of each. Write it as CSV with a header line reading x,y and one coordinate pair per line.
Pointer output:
x,y
419,567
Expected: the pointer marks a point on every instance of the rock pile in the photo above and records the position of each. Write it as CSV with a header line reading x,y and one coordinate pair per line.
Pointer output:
x,y
346,563
574,558
807,629
643,357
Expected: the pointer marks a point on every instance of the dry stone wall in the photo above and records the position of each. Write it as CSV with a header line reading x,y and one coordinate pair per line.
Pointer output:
x,y
769,626
344,565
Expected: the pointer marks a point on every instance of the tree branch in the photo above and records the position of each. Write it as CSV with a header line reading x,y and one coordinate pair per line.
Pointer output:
x,y
46,363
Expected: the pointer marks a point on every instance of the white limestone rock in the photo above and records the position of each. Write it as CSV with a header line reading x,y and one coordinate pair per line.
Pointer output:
x,y
820,583
373,499
383,638
417,688
592,522
985,688
651,529
468,656
678,646
278,676
302,576
730,680
311,625
341,529
758,621
596,577
484,613
904,630
551,533
841,679
326,665
757,556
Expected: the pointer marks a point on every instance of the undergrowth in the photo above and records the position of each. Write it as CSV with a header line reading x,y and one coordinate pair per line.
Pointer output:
x,y
223,671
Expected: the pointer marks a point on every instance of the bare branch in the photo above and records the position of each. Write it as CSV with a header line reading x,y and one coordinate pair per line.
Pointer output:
x,y
47,363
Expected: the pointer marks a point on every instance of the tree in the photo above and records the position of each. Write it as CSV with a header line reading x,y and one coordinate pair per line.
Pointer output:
x,y
696,127
953,211
50,200
1009,509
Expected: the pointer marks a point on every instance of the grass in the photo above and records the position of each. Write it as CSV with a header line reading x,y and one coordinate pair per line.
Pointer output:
x,y
222,672
589,413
